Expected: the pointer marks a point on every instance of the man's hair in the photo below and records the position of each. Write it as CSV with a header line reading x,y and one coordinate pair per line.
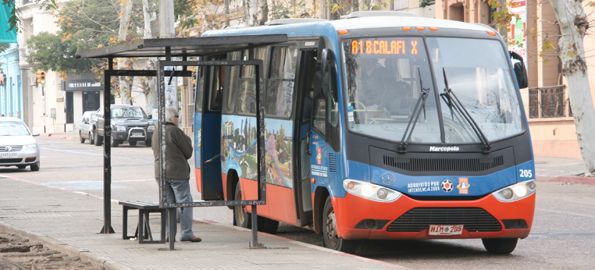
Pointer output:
x,y
170,112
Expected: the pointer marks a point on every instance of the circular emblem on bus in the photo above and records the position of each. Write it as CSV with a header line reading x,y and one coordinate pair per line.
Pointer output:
x,y
447,185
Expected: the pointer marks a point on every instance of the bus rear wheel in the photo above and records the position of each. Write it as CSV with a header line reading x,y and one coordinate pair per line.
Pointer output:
x,y
330,239
500,246
240,216
243,219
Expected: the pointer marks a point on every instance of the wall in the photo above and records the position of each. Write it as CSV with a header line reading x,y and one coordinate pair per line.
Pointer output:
x,y
11,99
550,136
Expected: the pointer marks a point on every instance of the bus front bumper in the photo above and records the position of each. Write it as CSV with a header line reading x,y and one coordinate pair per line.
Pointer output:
x,y
407,218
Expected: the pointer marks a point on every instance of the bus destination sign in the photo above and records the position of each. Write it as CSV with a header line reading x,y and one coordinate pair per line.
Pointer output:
x,y
384,47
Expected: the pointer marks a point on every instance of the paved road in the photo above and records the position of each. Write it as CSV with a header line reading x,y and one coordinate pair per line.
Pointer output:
x,y
563,234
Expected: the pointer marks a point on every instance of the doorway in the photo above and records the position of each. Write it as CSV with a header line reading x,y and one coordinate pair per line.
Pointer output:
x,y
90,100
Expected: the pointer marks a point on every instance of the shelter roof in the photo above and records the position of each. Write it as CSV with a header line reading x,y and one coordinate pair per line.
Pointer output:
x,y
179,47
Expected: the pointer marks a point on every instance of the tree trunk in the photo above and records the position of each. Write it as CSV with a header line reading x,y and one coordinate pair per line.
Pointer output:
x,y
573,25
264,12
226,9
324,9
253,12
149,84
124,83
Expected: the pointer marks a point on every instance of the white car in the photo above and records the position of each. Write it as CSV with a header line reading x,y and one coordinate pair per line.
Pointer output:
x,y
18,146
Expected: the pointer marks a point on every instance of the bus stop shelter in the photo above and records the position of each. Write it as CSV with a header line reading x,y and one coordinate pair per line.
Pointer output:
x,y
173,61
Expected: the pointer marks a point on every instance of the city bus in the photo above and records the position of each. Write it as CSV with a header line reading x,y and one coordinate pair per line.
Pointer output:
x,y
376,127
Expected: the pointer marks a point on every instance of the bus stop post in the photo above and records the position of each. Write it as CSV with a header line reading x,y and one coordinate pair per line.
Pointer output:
x,y
171,213
254,243
107,167
259,155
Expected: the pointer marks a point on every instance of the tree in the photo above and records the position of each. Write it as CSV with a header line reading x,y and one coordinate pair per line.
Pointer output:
x,y
573,26
52,52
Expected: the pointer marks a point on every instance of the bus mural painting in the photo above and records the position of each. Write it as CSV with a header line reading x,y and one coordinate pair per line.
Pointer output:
x,y
279,153
373,131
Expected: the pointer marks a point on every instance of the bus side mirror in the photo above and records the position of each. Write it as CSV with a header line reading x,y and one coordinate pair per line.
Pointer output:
x,y
519,70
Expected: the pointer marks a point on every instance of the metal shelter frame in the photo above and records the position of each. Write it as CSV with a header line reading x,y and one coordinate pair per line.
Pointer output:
x,y
181,47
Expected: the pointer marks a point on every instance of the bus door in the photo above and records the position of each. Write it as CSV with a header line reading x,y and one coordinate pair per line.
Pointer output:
x,y
309,77
211,133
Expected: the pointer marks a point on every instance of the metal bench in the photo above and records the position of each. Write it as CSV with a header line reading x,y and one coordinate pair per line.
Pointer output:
x,y
143,228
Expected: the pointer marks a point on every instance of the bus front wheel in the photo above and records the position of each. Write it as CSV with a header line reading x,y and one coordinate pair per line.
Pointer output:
x,y
330,238
500,245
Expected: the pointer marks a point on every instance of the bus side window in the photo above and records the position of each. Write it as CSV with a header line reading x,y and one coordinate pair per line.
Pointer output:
x,y
319,120
200,82
216,88
231,82
330,93
279,96
246,95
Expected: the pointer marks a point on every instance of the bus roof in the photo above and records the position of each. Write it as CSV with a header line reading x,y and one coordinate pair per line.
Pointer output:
x,y
371,22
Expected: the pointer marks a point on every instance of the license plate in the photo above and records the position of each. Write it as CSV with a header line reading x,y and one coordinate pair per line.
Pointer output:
x,y
442,230
137,134
8,155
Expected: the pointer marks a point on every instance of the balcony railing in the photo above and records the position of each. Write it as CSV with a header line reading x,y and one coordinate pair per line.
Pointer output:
x,y
549,102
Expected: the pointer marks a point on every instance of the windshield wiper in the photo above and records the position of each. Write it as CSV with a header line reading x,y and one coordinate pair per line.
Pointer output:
x,y
419,105
452,101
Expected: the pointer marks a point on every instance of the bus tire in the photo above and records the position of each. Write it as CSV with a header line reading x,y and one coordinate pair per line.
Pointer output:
x,y
330,239
241,218
501,246
267,225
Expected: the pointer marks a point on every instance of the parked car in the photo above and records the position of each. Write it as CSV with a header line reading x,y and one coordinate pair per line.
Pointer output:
x,y
129,124
88,127
18,146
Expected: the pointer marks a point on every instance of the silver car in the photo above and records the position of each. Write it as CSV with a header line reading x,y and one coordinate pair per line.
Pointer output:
x,y
18,147
87,127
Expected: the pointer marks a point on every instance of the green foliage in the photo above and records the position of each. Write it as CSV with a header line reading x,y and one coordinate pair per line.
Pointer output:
x,y
51,52
183,14
84,24
280,11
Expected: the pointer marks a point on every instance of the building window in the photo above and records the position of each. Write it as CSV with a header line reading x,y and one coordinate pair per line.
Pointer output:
x,y
549,102
456,12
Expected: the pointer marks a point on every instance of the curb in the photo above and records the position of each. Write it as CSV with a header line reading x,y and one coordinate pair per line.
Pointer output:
x,y
54,244
62,136
307,245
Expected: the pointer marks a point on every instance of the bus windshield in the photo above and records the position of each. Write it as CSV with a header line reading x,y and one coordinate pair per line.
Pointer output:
x,y
387,76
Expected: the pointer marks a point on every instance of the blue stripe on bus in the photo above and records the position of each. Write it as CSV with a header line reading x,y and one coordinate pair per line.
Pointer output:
x,y
433,185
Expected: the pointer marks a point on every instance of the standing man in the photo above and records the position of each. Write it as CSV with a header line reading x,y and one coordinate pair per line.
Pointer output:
x,y
178,149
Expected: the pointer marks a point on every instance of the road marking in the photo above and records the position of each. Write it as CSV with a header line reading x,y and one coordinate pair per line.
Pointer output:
x,y
566,213
71,151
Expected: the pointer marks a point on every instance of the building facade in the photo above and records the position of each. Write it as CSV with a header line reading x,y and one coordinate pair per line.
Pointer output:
x,y
11,97
546,99
57,104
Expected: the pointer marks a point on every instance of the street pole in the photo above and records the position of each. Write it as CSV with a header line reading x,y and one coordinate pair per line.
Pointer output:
x,y
167,30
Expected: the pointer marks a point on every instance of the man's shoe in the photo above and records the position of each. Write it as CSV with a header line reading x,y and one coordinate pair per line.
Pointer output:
x,y
194,239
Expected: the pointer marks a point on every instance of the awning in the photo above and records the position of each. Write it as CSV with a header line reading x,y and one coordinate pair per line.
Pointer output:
x,y
179,47
6,34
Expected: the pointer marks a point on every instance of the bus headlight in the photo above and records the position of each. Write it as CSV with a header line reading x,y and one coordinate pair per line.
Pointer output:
x,y
516,192
370,191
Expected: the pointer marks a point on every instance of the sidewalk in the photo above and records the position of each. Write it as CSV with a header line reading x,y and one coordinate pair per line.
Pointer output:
x,y
66,136
70,222
562,170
